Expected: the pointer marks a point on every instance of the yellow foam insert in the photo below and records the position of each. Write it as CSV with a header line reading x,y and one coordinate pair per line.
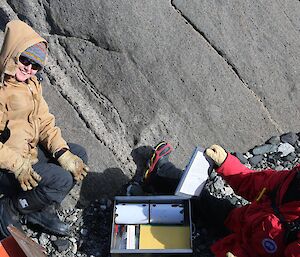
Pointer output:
x,y
164,237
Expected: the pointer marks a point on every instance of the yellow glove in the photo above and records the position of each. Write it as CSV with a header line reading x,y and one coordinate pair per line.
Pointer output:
x,y
74,164
26,176
229,254
217,154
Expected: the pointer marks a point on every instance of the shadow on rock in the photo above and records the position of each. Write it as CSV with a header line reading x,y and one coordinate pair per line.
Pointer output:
x,y
94,235
140,156
101,185
96,196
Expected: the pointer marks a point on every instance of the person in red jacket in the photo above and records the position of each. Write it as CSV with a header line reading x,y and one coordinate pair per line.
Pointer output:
x,y
268,226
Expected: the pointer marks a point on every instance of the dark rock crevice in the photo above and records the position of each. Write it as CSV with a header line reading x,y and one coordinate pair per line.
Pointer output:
x,y
290,20
219,51
89,40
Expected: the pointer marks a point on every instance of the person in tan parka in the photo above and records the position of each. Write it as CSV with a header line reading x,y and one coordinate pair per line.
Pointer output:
x,y
36,163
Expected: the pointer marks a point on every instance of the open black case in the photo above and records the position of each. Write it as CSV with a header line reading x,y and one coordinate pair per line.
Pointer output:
x,y
151,226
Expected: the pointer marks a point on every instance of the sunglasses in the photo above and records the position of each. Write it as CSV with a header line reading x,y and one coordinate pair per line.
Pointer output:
x,y
26,61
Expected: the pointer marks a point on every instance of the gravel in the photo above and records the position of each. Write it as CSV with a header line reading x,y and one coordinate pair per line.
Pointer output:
x,y
91,226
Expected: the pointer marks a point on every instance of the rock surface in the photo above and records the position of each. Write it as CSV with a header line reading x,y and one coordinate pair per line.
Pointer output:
x,y
123,75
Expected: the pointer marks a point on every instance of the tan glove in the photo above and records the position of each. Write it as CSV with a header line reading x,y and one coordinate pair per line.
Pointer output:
x,y
229,254
217,154
26,176
74,164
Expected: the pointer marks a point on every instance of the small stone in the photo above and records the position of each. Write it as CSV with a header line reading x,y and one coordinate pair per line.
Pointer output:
x,y
275,140
248,155
84,231
291,157
279,168
287,165
241,157
103,203
233,200
219,183
255,160
263,149
212,175
44,239
108,203
271,159
228,191
244,201
71,218
285,149
103,207
53,238
35,239
61,245
72,239
74,249
297,149
248,165
290,138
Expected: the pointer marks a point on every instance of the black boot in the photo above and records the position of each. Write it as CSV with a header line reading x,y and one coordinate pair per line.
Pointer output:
x,y
38,211
162,177
49,220
8,215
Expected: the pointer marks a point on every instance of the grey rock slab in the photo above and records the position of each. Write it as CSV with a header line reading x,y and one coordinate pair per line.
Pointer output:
x,y
141,69
152,64
123,74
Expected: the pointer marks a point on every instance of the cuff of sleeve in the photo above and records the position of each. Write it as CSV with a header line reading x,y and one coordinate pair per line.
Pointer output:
x,y
59,153
224,164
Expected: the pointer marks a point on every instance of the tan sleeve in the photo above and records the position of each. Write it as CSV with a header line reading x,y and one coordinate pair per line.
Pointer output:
x,y
49,134
9,159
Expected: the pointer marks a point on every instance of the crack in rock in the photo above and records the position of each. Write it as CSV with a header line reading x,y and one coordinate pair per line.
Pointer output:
x,y
230,64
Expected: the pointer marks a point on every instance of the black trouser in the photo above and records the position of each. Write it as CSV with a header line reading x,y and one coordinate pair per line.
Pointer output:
x,y
206,208
54,185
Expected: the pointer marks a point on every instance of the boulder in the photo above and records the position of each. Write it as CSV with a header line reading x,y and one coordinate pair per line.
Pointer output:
x,y
127,74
